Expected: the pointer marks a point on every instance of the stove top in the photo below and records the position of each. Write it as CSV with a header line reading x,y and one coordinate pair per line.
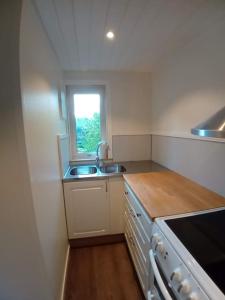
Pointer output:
x,y
204,237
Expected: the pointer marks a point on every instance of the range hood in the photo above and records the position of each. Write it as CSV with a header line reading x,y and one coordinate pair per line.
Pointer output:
x,y
213,127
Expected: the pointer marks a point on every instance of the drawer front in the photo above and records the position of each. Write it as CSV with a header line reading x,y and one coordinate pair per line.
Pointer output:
x,y
139,236
125,218
143,221
139,246
140,267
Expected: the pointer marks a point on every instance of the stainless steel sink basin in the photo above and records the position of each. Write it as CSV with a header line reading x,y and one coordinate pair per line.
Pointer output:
x,y
112,168
83,170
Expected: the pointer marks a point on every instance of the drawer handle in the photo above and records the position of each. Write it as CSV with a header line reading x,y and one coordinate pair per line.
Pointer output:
x,y
126,193
132,240
138,215
132,213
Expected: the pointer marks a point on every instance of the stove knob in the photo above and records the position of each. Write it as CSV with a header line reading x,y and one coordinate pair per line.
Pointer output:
x,y
193,296
160,247
155,238
184,287
176,275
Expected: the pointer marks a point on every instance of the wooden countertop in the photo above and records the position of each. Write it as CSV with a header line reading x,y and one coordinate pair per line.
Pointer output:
x,y
168,193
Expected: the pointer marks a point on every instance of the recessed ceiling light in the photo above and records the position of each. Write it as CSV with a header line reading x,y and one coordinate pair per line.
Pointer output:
x,y
110,35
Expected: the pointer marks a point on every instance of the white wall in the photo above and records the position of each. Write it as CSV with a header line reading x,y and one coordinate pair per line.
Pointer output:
x,y
187,87
40,78
22,271
128,94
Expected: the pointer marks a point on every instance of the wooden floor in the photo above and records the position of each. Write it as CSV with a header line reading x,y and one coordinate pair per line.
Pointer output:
x,y
101,273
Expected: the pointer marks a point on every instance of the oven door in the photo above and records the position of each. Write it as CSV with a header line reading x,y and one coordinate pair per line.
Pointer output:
x,y
160,289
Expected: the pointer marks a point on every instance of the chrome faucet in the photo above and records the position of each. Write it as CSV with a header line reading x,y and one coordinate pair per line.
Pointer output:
x,y
97,152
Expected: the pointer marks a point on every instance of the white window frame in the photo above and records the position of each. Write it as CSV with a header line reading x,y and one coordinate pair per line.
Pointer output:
x,y
85,89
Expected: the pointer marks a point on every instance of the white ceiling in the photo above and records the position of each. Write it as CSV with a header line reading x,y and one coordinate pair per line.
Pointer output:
x,y
145,30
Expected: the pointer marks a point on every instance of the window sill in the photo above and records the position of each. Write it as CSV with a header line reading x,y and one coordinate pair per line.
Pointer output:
x,y
82,160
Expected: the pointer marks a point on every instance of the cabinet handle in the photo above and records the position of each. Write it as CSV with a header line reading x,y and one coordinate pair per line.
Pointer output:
x,y
126,193
132,213
132,240
138,215
106,187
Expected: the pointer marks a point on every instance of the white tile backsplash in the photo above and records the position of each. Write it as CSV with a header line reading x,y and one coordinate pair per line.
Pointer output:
x,y
131,147
199,160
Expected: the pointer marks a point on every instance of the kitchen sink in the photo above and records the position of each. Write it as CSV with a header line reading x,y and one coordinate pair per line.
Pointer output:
x,y
112,168
83,170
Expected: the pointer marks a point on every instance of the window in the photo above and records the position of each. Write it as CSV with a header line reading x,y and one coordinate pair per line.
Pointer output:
x,y
87,120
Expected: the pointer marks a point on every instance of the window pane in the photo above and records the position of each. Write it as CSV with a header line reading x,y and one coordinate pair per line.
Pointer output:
x,y
87,126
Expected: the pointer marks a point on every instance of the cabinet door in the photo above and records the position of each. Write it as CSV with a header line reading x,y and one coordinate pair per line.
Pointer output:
x,y
87,208
117,200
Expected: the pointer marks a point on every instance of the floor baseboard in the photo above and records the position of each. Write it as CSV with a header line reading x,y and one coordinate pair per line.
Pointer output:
x,y
97,240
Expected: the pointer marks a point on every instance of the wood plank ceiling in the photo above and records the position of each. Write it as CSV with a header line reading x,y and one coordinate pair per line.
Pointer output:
x,y
145,30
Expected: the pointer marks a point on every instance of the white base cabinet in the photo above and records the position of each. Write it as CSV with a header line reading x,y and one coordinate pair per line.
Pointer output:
x,y
87,208
94,207
138,228
117,202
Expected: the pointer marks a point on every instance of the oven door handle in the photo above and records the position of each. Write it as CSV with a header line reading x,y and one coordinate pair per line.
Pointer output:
x,y
158,277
